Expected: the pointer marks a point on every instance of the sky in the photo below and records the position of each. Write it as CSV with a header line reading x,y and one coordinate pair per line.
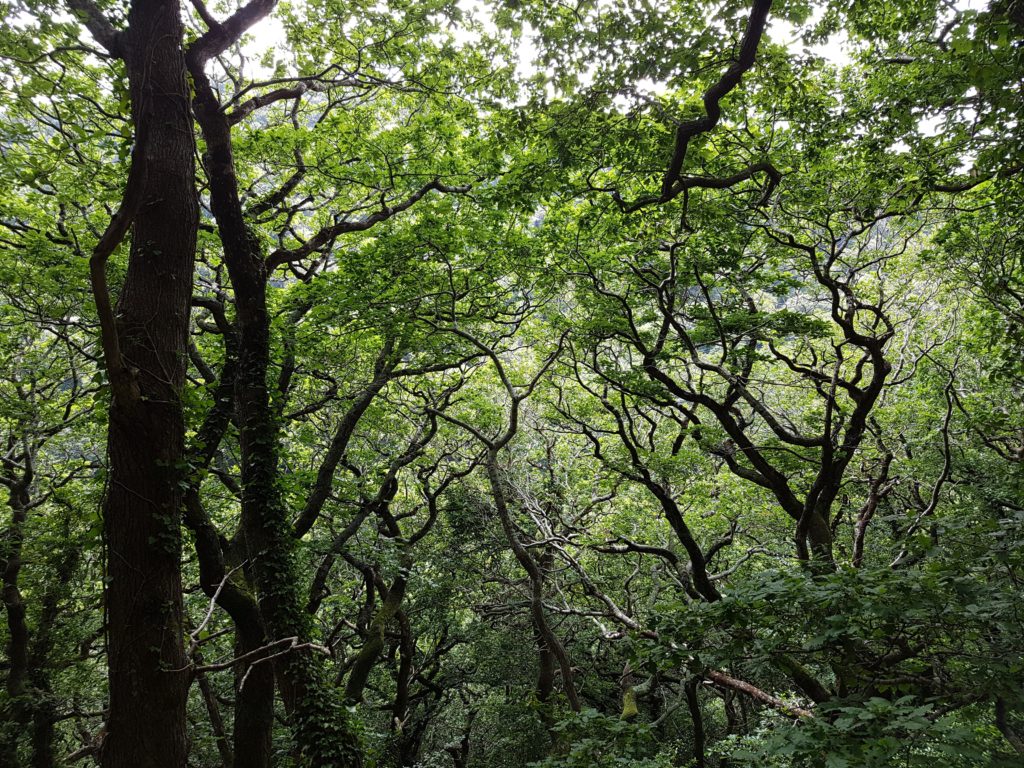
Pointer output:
x,y
270,34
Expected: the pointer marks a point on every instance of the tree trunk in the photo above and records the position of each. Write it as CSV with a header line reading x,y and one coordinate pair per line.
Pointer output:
x,y
44,712
18,710
254,703
697,718
320,725
367,657
145,442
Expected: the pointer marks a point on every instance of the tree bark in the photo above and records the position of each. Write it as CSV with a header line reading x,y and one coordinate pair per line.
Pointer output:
x,y
366,659
19,707
145,442
319,722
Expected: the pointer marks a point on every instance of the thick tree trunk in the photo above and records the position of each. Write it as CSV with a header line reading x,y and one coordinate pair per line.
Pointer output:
x,y
319,721
43,720
254,703
147,675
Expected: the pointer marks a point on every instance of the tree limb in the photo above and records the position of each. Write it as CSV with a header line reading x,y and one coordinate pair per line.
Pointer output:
x,y
99,26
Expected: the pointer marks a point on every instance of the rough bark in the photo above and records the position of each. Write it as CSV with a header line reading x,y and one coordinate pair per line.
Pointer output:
x,y
145,440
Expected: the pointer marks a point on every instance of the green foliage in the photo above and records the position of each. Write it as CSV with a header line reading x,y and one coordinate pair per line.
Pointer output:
x,y
591,738
812,398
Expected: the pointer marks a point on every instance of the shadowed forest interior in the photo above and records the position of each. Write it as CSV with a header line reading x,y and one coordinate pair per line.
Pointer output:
x,y
507,383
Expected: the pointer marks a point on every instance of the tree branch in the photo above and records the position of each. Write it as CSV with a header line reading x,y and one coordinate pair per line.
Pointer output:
x,y
99,26
223,35
673,182
328,234
131,201
726,681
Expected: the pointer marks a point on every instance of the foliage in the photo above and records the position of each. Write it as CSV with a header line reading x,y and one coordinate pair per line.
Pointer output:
x,y
542,357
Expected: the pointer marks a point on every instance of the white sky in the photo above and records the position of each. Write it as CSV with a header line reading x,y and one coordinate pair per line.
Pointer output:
x,y
269,33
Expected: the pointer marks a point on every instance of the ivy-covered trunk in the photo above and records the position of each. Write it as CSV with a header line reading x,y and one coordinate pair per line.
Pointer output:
x,y
319,721
147,668
373,646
